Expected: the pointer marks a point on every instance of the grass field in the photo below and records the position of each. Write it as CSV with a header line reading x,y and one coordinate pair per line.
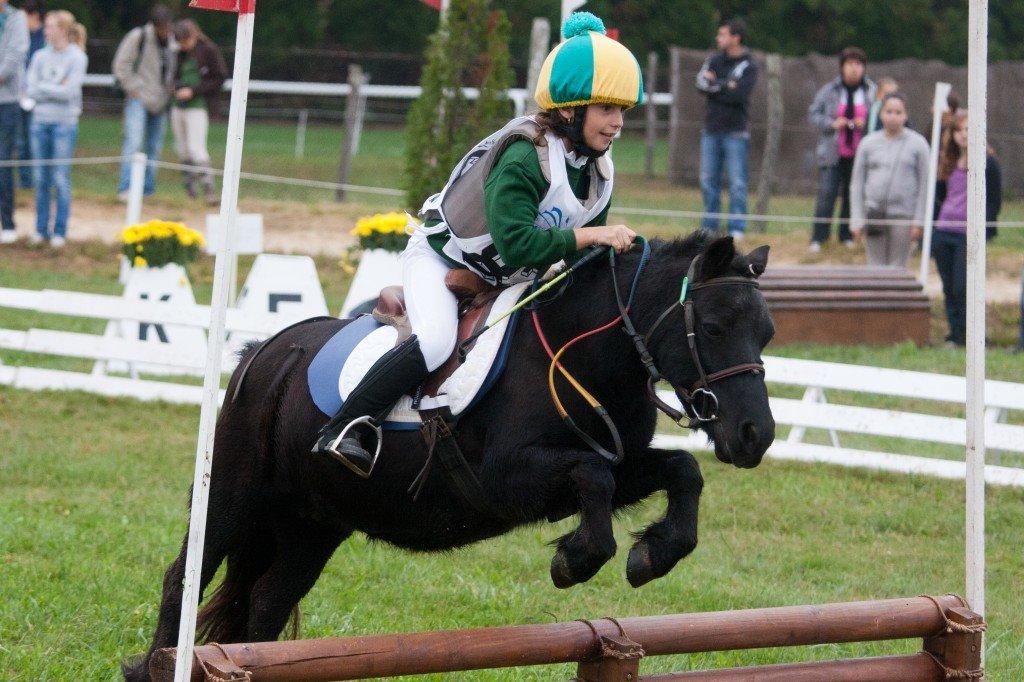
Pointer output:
x,y
93,495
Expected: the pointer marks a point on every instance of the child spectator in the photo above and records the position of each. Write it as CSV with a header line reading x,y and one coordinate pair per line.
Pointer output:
x,y
949,240
200,74
889,182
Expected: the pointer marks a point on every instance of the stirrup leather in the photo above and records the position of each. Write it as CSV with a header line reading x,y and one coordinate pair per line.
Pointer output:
x,y
341,456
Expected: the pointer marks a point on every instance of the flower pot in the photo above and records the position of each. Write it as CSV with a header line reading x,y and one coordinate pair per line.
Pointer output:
x,y
377,269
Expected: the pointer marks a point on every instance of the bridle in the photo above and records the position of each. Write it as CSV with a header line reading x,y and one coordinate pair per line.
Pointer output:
x,y
700,404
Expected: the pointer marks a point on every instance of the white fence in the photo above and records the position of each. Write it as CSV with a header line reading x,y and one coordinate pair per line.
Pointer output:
x,y
812,412
815,412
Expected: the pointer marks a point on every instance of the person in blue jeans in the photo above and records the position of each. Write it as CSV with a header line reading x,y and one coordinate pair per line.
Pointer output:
x,y
726,78
55,78
144,66
13,46
34,14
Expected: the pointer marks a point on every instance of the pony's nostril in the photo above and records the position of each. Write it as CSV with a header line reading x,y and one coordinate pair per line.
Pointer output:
x,y
748,433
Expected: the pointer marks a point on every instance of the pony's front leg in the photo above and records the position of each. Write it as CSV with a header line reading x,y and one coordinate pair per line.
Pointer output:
x,y
584,551
664,542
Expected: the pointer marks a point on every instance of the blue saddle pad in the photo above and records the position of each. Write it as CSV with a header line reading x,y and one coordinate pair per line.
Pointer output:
x,y
324,374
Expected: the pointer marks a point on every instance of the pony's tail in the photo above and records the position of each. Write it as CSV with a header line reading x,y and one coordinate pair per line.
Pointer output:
x,y
225,616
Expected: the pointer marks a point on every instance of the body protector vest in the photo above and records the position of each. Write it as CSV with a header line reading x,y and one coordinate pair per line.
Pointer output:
x,y
460,205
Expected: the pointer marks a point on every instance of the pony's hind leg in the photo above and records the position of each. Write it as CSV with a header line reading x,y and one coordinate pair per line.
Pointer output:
x,y
302,550
662,544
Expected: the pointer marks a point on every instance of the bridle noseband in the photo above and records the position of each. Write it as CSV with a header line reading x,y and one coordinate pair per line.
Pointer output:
x,y
699,400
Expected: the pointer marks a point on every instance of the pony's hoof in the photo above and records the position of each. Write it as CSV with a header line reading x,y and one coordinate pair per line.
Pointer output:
x,y
561,574
639,570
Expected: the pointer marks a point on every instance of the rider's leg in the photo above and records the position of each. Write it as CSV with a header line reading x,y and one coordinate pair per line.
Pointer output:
x,y
433,314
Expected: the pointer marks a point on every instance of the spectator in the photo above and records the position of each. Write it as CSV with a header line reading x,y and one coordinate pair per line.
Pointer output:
x,y
13,48
200,74
144,66
889,183
949,240
885,86
839,112
726,79
55,87
34,12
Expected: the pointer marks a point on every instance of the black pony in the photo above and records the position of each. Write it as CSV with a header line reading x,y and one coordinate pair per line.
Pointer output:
x,y
277,512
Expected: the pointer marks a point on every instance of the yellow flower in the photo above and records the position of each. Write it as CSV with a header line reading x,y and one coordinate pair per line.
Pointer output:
x,y
139,262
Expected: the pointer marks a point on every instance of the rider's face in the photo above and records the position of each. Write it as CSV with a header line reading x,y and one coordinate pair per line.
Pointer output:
x,y
602,125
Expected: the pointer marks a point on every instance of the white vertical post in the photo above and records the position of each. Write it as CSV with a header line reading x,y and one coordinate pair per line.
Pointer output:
x,y
300,133
211,381
977,145
938,106
568,7
136,185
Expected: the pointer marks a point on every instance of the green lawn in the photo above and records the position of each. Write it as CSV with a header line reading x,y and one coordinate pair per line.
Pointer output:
x,y
92,508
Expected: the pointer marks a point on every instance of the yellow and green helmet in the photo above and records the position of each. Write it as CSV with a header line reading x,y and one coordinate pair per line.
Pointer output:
x,y
588,67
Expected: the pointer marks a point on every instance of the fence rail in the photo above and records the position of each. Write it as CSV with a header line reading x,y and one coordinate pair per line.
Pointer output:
x,y
610,649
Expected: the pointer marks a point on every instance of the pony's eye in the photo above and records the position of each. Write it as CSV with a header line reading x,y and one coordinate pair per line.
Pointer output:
x,y
712,329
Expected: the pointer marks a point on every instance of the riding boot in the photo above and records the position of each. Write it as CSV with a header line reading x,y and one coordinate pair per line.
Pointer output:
x,y
359,420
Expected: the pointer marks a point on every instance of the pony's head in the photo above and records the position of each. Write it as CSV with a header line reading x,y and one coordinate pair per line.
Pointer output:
x,y
723,333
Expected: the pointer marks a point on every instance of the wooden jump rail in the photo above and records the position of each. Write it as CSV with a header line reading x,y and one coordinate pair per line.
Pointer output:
x,y
610,650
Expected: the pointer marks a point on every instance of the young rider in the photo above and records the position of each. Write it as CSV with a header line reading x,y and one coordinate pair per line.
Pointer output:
x,y
529,195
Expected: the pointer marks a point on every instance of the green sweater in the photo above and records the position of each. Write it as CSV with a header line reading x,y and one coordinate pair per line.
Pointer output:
x,y
512,193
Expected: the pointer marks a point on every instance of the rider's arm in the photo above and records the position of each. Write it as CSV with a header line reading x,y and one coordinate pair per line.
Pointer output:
x,y
512,193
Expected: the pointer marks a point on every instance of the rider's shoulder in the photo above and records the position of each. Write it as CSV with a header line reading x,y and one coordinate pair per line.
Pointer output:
x,y
519,151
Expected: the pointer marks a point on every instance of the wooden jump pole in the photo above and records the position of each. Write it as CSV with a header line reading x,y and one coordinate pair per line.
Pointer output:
x,y
524,645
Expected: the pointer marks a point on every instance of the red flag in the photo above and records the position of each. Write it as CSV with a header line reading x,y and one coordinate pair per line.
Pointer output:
x,y
242,6
436,4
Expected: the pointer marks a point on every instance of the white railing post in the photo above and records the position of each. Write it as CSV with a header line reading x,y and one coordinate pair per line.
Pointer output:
x,y
938,106
300,133
977,146
136,185
215,344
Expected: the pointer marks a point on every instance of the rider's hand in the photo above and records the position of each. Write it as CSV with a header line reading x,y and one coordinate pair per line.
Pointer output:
x,y
619,237
840,123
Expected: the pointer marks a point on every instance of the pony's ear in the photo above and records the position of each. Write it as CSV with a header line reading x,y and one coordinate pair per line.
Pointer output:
x,y
757,260
717,258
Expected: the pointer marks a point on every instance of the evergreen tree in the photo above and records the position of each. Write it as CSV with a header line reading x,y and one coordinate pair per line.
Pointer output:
x,y
469,49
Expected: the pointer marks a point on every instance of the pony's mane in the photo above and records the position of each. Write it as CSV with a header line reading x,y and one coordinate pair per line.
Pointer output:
x,y
683,247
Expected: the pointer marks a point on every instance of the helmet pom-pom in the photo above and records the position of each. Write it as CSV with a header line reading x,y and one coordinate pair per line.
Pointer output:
x,y
579,23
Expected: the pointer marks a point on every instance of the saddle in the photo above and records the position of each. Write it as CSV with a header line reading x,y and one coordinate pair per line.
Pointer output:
x,y
476,298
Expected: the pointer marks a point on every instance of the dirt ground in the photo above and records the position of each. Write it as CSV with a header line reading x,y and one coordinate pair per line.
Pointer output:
x,y
323,229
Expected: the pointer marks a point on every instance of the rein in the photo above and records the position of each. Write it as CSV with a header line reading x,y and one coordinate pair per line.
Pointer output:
x,y
699,400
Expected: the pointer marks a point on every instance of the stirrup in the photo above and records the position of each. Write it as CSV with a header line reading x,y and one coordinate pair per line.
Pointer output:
x,y
332,447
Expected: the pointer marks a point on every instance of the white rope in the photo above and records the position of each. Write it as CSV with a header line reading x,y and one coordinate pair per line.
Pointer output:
x,y
78,161
280,180
392,192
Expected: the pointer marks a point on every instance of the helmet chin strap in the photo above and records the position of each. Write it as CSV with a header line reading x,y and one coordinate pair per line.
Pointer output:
x,y
573,130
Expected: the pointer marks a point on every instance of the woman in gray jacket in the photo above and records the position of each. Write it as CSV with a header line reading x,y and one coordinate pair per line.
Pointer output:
x,y
889,183
55,78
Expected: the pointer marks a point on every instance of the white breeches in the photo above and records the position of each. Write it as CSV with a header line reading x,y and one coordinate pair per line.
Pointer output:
x,y
433,310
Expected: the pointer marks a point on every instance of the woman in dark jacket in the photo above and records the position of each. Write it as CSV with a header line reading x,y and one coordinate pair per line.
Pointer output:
x,y
198,79
949,241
